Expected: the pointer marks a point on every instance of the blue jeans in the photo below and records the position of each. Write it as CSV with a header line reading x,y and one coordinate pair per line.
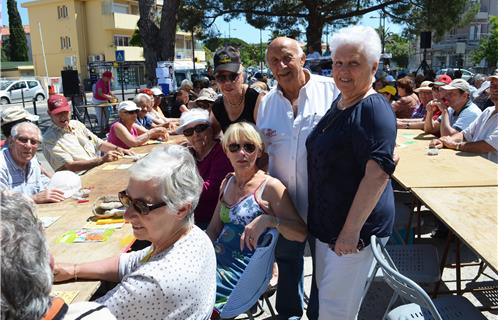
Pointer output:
x,y
290,288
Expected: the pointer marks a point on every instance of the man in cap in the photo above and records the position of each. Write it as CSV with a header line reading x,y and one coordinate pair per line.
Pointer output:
x,y
19,168
287,115
69,145
457,111
101,95
481,136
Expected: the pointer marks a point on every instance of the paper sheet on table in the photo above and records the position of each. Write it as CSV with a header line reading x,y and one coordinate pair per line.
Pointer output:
x,y
123,166
48,221
94,225
67,296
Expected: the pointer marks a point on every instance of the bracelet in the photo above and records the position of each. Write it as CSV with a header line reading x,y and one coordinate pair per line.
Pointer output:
x,y
75,274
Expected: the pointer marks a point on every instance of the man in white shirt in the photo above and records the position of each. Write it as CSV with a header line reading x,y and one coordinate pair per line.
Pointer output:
x,y
481,136
286,116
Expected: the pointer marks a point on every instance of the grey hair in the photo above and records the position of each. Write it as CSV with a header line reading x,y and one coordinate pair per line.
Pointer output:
x,y
26,274
365,38
141,97
15,129
186,83
174,168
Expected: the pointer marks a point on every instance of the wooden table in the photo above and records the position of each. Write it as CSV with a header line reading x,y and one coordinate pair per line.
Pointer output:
x,y
449,168
73,216
471,213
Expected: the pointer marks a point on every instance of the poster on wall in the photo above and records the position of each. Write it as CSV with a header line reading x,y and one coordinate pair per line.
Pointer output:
x,y
165,75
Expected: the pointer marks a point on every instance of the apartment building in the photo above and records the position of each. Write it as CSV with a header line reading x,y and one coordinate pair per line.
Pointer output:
x,y
85,34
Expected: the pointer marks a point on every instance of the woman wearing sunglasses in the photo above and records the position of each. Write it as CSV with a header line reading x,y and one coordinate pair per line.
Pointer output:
x,y
211,161
238,102
250,202
174,278
126,133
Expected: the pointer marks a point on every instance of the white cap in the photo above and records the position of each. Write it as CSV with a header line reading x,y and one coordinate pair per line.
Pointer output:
x,y
66,181
127,106
457,84
195,115
157,91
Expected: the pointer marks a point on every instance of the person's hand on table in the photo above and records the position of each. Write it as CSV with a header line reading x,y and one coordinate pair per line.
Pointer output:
x,y
436,143
127,152
48,196
158,132
346,243
448,142
64,272
111,156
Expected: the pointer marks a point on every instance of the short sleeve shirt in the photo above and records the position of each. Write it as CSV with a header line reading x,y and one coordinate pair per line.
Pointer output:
x,y
466,116
145,122
61,146
28,181
178,283
339,148
485,128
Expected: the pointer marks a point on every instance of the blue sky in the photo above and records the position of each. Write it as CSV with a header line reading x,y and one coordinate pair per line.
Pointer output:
x,y
238,28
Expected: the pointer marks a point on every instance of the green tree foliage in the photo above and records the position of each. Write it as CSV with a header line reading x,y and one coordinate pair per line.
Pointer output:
x,y
249,53
18,48
399,47
488,46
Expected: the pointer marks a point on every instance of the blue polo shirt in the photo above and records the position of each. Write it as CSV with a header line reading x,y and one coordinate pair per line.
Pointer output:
x,y
29,181
145,122
339,148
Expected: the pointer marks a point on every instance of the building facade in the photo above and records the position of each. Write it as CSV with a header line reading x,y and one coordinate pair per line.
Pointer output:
x,y
85,35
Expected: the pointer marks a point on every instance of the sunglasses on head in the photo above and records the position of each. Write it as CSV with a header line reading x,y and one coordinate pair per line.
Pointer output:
x,y
198,128
25,140
248,147
139,205
231,77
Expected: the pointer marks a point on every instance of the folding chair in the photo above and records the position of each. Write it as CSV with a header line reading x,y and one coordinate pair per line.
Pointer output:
x,y
254,281
422,307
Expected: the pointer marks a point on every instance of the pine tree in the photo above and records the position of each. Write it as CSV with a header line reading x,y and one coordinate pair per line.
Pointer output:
x,y
18,48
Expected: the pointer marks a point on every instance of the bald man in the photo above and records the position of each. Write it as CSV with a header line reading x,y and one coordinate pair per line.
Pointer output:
x,y
286,116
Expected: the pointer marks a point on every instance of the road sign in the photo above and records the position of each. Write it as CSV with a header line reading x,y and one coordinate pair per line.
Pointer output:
x,y
120,56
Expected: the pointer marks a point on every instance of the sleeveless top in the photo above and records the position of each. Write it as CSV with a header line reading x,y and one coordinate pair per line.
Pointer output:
x,y
113,138
247,114
230,261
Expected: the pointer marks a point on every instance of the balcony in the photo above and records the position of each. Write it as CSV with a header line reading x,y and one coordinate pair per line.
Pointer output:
x,y
121,21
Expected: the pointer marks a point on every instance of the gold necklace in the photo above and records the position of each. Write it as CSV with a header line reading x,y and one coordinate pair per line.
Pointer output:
x,y
240,101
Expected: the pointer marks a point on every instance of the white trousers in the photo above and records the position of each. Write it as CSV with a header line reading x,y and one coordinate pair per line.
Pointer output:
x,y
341,281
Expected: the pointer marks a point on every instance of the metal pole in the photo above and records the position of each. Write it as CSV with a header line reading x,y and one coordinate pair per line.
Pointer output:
x,y
122,82
22,97
34,106
261,51
43,53
193,51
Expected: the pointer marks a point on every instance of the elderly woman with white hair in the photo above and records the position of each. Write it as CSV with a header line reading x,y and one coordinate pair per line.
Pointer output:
x,y
211,160
174,278
126,133
350,160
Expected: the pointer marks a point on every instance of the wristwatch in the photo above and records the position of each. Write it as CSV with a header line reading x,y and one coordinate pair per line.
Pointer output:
x,y
408,125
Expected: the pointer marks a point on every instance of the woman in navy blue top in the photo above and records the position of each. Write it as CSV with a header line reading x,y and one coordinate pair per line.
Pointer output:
x,y
350,160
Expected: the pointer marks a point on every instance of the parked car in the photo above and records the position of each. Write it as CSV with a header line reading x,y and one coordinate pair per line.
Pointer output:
x,y
321,66
14,90
466,74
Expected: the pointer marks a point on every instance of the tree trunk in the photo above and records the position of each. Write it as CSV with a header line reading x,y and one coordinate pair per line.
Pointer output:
x,y
167,34
314,28
149,33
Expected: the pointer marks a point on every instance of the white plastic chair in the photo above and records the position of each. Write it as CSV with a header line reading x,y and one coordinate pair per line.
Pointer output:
x,y
254,280
422,307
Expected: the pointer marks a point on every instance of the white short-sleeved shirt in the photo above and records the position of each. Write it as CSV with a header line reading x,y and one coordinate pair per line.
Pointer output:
x,y
285,136
466,116
178,283
485,128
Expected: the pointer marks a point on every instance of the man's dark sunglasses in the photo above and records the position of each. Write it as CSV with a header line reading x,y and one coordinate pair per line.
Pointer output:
x,y
140,206
248,147
198,128
231,77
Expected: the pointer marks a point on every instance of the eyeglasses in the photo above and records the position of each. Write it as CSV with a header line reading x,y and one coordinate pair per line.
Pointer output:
x,y
132,112
248,147
231,77
198,128
140,206
25,140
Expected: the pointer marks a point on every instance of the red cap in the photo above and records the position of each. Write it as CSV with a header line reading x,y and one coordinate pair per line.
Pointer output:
x,y
146,91
107,74
57,104
444,78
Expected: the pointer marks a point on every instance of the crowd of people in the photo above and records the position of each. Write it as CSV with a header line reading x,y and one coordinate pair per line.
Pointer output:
x,y
312,157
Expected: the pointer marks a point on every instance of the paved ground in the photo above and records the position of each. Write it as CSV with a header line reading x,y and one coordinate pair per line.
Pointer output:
x,y
379,294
